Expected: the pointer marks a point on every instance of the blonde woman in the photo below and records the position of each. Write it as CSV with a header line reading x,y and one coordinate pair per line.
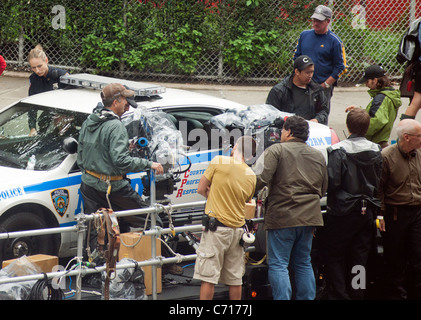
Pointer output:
x,y
42,79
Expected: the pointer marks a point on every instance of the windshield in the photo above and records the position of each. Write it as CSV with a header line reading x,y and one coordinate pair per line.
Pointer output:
x,y
34,131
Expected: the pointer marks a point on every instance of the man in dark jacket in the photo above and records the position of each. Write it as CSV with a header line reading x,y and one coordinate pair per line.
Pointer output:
x,y
299,94
354,169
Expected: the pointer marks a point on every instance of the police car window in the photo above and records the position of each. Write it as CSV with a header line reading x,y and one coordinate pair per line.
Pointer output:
x,y
18,144
195,128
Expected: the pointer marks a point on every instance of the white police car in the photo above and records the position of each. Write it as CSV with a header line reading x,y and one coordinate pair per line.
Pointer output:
x,y
40,181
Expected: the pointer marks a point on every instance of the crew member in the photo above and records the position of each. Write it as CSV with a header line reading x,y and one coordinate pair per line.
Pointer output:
x,y
103,156
325,48
354,170
228,183
383,107
400,192
296,176
299,94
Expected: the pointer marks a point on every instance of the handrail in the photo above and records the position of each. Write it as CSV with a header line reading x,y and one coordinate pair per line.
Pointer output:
x,y
81,228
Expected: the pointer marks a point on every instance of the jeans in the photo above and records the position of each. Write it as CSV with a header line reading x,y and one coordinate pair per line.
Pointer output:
x,y
291,247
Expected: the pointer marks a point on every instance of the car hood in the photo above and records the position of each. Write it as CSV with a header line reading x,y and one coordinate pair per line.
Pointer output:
x,y
12,178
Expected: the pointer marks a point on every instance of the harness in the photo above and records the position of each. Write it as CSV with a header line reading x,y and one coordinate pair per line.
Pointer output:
x,y
108,227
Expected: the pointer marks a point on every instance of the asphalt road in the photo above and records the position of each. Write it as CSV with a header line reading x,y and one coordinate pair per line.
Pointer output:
x,y
14,86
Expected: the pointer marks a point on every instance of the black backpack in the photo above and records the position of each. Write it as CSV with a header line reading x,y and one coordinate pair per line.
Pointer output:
x,y
409,46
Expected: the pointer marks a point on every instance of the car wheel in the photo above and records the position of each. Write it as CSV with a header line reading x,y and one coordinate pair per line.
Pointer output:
x,y
29,245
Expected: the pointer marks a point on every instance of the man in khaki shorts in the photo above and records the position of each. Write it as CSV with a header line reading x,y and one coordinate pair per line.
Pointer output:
x,y
228,183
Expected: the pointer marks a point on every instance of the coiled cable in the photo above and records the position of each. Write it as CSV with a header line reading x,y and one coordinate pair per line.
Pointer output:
x,y
38,291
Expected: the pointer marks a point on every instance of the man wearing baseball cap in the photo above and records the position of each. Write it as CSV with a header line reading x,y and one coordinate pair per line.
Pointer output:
x,y
325,48
103,155
322,13
299,94
115,90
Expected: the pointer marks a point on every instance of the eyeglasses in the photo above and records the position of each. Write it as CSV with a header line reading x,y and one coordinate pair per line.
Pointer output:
x,y
415,135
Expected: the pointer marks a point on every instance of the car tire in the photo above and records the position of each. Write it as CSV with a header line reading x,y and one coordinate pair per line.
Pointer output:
x,y
29,245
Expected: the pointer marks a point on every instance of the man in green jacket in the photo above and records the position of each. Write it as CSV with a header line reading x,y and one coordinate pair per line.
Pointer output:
x,y
383,108
103,156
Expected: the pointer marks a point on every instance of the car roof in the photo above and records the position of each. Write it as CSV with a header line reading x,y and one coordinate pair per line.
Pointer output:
x,y
79,100
86,99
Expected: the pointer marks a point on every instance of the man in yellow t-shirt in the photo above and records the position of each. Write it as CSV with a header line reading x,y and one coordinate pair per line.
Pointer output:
x,y
228,183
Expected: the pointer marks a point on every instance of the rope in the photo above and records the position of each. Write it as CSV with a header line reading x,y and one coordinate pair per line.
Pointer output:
x,y
140,238
178,255
168,211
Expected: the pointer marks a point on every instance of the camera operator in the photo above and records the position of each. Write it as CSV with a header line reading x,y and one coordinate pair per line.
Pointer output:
x,y
228,183
103,156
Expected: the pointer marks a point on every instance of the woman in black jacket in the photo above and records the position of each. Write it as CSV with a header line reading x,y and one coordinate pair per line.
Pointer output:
x,y
41,80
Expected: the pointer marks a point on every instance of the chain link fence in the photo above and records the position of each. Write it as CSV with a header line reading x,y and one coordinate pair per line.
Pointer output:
x,y
248,42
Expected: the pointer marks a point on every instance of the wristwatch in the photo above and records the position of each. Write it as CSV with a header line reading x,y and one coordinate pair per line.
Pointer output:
x,y
327,86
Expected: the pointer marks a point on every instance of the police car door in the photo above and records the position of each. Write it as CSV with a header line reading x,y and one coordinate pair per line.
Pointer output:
x,y
201,144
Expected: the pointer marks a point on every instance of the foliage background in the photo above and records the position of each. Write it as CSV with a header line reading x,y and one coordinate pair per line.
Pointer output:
x,y
228,41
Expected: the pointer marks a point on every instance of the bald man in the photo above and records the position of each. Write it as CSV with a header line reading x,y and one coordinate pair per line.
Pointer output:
x,y
400,193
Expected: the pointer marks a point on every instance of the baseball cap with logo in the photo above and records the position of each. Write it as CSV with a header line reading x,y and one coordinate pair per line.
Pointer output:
x,y
113,91
302,62
371,72
322,13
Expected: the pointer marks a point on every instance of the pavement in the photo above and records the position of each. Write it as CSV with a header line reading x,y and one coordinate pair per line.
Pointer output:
x,y
14,86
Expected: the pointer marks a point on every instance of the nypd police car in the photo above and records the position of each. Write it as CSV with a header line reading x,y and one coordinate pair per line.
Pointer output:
x,y
40,179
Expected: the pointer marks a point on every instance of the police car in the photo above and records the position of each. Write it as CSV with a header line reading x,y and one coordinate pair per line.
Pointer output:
x,y
40,179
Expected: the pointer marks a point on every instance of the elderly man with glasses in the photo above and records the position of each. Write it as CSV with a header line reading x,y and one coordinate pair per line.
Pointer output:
x,y
400,192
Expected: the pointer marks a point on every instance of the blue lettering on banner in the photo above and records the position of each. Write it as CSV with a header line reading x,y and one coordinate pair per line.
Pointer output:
x,y
319,141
